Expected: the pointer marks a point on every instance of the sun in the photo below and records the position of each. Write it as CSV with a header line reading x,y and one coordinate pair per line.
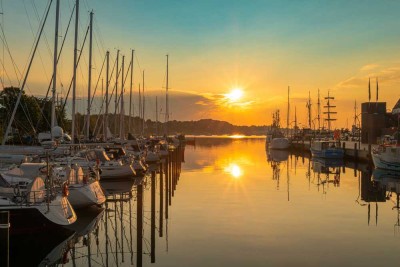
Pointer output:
x,y
234,95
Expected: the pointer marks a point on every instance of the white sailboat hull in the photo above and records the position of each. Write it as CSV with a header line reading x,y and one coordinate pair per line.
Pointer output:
x,y
86,195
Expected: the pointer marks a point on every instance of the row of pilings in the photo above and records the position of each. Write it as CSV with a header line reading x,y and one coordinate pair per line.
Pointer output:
x,y
168,171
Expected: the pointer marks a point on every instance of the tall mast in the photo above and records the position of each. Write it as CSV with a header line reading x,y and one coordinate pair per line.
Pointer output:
x,y
74,71
107,87
329,111
288,109
140,105
121,126
309,109
156,116
166,101
319,112
116,93
143,103
130,95
90,76
25,78
53,99
104,114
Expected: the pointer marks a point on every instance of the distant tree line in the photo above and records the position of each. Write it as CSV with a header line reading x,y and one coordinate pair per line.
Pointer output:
x,y
33,115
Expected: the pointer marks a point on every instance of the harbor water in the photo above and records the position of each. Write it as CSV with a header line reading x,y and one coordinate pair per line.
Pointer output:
x,y
231,202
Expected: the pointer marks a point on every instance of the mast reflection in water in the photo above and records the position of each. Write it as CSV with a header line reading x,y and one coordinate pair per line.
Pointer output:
x,y
232,203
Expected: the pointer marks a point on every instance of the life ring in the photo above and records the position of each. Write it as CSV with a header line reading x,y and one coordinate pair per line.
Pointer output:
x,y
65,190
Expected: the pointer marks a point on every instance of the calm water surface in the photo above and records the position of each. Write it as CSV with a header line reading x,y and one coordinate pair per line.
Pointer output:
x,y
235,204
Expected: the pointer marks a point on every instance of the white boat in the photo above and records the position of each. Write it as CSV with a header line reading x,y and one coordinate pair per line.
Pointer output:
x,y
329,149
109,169
83,191
387,157
279,143
32,203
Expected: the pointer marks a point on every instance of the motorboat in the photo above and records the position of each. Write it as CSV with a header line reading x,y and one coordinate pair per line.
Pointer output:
x,y
329,149
387,157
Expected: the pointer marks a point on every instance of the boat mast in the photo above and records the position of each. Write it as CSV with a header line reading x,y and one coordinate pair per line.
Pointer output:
x,y
143,106
329,112
288,109
53,98
309,109
140,109
319,112
130,95
74,71
89,77
156,116
166,101
25,78
121,126
107,87
116,94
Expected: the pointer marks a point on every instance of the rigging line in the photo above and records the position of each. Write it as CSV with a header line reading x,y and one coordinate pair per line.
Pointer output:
x,y
2,23
58,58
30,53
98,79
45,37
77,64
98,33
5,72
137,62
33,34
25,78
10,55
124,81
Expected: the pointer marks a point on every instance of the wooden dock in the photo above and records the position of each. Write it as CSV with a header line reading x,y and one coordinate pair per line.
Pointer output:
x,y
353,150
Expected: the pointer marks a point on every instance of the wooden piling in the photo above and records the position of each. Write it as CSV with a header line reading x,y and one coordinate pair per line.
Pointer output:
x,y
4,238
153,218
160,227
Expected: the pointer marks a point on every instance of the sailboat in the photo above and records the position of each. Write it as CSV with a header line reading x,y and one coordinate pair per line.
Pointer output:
x,y
277,139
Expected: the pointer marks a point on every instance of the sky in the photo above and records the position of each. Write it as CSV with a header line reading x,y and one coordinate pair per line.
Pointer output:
x,y
214,47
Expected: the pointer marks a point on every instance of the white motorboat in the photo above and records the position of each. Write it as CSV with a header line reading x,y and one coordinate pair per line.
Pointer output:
x,y
279,143
329,149
387,157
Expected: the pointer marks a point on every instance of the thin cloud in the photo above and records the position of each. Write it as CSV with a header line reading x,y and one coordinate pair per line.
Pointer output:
x,y
369,67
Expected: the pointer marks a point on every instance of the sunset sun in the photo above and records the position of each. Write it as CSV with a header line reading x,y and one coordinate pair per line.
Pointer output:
x,y
234,95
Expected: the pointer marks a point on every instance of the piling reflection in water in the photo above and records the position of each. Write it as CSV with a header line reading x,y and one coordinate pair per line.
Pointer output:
x,y
217,220
119,234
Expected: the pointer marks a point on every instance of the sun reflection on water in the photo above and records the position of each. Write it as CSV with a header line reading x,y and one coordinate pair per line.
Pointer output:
x,y
234,170
237,136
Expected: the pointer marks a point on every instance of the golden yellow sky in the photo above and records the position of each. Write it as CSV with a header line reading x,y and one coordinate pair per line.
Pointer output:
x,y
261,47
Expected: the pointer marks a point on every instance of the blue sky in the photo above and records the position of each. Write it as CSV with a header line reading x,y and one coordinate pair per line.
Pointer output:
x,y
260,46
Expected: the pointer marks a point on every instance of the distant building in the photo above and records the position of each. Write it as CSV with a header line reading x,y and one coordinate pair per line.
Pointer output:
x,y
373,121
376,121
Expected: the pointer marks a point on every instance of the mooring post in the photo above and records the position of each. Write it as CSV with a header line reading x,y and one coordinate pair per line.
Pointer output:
x,y
4,238
153,218
139,226
160,227
166,187
355,151
170,179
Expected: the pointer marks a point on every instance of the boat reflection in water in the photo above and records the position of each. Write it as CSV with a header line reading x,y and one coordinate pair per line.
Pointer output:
x,y
389,182
119,234
328,171
276,159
